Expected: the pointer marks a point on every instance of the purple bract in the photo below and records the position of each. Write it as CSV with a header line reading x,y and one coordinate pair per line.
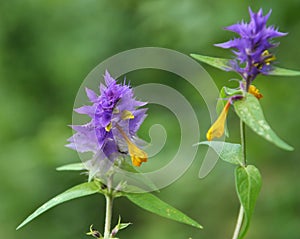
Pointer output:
x,y
252,47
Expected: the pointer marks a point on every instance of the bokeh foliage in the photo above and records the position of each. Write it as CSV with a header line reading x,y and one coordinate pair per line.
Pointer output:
x,y
47,48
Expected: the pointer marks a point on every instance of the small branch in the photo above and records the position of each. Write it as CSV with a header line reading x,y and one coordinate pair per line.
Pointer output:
x,y
239,223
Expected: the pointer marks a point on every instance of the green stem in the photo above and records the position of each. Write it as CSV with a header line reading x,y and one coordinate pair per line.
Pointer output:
x,y
109,206
243,142
240,218
239,223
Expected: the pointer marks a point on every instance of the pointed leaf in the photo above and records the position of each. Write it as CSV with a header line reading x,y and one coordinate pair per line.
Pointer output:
x,y
80,190
278,71
249,110
224,64
231,153
153,204
220,63
72,167
248,185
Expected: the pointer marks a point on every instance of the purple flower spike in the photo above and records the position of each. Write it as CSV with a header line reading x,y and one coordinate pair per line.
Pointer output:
x,y
115,120
252,47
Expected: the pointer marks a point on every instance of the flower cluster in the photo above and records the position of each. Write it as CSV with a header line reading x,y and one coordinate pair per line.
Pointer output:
x,y
252,48
252,58
115,119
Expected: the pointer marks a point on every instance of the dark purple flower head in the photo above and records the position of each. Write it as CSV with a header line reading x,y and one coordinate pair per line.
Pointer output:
x,y
115,119
252,47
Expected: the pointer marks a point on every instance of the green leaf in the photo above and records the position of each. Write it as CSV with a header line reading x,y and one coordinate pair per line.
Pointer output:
x,y
220,63
249,110
72,167
277,71
248,185
80,190
223,64
231,153
153,204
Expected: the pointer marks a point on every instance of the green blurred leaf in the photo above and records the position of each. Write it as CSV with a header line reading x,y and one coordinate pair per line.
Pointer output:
x,y
224,95
220,63
277,71
80,190
231,92
248,185
221,100
153,204
231,153
249,110
145,183
71,167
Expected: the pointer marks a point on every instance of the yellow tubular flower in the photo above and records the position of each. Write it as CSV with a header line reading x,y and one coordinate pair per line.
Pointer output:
x,y
217,129
254,91
137,155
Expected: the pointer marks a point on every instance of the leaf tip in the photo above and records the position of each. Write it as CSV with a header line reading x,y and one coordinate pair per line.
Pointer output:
x,y
21,225
289,148
199,227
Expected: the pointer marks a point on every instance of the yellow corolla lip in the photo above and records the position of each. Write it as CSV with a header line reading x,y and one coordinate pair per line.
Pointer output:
x,y
137,155
217,129
254,91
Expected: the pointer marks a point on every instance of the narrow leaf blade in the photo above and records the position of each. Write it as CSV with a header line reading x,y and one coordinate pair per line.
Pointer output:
x,y
77,191
153,204
224,64
231,153
72,167
248,185
220,63
249,110
278,71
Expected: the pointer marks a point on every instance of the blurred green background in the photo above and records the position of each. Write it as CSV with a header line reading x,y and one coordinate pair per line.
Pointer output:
x,y
46,50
